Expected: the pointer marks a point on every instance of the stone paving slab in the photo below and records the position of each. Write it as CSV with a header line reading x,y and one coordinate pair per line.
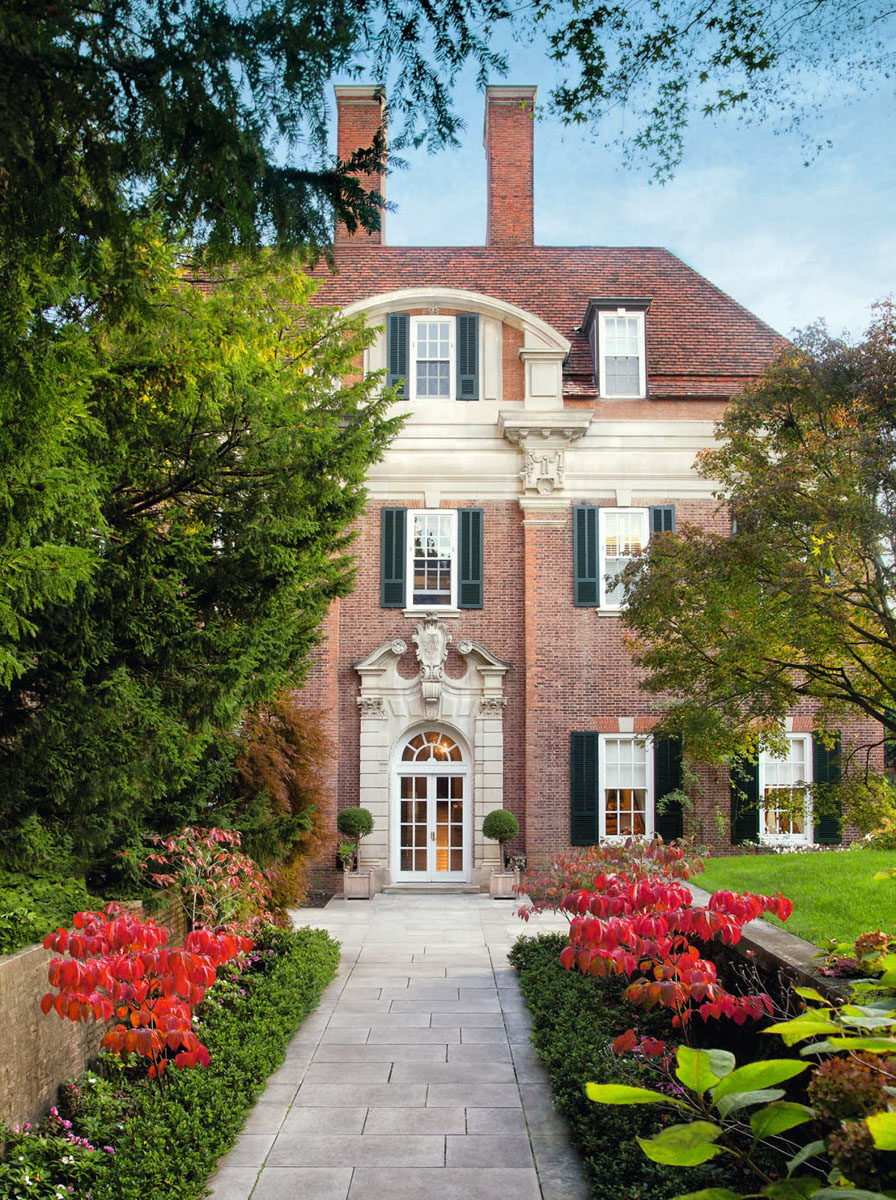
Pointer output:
x,y
415,1078
449,1183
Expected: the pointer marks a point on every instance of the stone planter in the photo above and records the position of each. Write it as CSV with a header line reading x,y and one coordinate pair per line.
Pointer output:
x,y
358,885
502,883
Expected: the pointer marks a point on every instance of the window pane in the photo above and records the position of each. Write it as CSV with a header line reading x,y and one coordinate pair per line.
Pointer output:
x,y
621,351
433,550
785,799
625,787
433,365
622,376
624,535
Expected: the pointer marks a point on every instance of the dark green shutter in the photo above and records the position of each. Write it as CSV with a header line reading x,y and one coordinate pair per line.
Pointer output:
x,y
393,553
469,544
398,340
662,519
825,770
468,356
584,806
586,584
744,801
667,778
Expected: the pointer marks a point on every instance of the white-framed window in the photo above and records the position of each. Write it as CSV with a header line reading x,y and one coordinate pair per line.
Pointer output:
x,y
621,357
433,358
432,558
785,798
625,772
624,534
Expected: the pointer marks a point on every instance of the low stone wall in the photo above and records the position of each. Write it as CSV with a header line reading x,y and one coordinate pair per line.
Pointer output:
x,y
774,949
39,1053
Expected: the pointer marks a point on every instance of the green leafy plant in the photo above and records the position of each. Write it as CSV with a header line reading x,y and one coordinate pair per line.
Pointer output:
x,y
355,823
716,1098
47,1161
849,1109
345,852
30,904
500,826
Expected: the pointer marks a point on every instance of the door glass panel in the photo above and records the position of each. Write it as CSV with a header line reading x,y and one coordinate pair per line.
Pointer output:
x,y
449,823
412,823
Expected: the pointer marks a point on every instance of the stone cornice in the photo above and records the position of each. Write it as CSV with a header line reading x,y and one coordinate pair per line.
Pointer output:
x,y
562,426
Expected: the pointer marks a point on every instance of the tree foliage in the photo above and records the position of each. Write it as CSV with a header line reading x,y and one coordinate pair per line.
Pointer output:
x,y
213,114
664,62
800,601
223,460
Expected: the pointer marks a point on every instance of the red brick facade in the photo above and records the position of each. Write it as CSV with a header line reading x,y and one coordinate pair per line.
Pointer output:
x,y
538,441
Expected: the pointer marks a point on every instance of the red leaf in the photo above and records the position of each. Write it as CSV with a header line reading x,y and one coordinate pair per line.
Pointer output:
x,y
625,1042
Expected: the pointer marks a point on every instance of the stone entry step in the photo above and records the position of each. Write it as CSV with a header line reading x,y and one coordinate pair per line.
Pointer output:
x,y
430,889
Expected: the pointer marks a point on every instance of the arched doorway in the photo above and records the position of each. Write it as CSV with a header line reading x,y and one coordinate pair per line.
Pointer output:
x,y
431,811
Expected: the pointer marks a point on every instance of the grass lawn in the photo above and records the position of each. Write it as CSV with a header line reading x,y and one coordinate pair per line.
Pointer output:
x,y
833,894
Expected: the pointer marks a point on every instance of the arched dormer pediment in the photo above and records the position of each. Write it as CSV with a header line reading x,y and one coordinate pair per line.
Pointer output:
x,y
539,335
480,336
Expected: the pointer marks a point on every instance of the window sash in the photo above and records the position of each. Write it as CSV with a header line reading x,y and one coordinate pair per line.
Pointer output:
x,y
624,534
621,355
626,783
433,358
432,558
785,802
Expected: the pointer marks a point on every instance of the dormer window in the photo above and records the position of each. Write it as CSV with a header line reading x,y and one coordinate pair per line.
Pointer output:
x,y
433,357
615,329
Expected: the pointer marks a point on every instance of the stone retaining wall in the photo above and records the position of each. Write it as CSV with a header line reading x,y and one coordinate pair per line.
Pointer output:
x,y
39,1053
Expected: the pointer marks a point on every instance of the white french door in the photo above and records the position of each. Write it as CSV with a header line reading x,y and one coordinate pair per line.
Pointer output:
x,y
431,842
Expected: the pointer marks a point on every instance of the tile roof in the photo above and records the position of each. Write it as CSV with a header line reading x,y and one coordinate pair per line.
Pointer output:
x,y
699,341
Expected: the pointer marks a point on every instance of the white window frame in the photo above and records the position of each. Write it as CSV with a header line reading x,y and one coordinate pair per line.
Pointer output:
x,y
611,314
646,741
416,322
451,515
644,514
788,839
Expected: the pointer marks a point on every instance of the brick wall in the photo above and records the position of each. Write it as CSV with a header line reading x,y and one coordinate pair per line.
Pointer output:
x,y
570,668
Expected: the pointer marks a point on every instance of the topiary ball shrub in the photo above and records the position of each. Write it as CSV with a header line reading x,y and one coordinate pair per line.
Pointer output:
x,y
500,826
354,822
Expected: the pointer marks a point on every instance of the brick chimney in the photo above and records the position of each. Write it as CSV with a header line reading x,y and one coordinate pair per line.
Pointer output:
x,y
360,113
509,120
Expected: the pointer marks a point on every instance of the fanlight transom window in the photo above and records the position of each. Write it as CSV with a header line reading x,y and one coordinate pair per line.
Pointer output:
x,y
431,747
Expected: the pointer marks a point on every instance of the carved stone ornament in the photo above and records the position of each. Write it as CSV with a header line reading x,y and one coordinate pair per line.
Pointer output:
x,y
431,638
372,706
543,471
493,706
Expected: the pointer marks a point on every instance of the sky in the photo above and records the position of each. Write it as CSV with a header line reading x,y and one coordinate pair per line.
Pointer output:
x,y
792,243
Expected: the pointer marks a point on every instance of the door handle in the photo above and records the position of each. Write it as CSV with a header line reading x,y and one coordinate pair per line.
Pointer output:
x,y
432,836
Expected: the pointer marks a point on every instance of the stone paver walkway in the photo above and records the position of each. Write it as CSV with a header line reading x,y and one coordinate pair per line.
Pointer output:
x,y
415,1078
